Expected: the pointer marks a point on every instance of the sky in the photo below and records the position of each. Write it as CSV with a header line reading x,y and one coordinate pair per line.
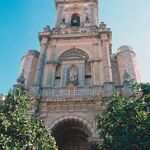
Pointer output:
x,y
21,20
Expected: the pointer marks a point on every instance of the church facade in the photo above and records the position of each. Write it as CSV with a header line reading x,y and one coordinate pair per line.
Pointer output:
x,y
75,73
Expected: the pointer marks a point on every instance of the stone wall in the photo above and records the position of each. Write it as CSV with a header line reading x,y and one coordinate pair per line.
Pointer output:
x,y
75,73
88,12
29,67
126,59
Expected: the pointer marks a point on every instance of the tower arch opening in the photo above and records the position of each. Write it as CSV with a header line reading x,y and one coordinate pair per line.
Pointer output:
x,y
71,134
75,19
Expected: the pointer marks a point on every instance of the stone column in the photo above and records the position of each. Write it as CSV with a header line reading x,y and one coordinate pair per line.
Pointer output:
x,y
106,58
63,81
44,45
59,15
92,14
81,74
46,74
96,72
52,75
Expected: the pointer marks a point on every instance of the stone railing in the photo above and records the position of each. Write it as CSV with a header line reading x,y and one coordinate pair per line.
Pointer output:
x,y
79,93
76,92
74,31
68,32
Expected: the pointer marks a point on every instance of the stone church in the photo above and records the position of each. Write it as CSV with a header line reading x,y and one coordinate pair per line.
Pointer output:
x,y
75,73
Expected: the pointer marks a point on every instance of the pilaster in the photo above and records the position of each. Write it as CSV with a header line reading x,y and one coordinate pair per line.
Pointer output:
x,y
59,15
44,41
96,72
105,41
63,81
81,78
52,74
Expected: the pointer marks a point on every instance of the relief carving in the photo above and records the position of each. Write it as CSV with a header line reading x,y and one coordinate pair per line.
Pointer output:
x,y
73,74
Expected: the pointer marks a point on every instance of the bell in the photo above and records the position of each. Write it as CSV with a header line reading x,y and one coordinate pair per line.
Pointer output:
x,y
75,21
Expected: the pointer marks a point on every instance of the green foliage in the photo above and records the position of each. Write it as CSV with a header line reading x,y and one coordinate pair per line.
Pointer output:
x,y
93,146
126,124
19,131
145,88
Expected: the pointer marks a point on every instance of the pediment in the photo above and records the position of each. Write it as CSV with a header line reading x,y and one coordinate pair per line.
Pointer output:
x,y
74,54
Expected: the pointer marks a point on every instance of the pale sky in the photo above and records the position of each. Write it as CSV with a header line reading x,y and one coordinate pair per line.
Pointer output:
x,y
21,20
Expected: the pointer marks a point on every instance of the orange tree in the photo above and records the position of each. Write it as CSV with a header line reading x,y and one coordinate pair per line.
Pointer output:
x,y
19,131
126,124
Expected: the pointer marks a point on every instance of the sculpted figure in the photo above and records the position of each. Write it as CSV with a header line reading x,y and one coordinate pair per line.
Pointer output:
x,y
126,75
73,74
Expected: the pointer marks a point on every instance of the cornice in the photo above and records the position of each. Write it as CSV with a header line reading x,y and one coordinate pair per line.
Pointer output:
x,y
57,2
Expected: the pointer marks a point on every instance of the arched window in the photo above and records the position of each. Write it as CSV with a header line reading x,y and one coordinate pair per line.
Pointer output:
x,y
75,20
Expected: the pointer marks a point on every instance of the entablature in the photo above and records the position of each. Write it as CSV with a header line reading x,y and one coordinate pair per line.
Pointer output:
x,y
57,2
76,32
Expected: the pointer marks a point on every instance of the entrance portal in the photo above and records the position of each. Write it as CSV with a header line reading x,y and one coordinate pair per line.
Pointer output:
x,y
71,134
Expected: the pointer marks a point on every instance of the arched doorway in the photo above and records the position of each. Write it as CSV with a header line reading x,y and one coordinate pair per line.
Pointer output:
x,y
71,134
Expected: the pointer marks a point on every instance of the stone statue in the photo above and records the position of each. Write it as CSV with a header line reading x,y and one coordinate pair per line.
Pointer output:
x,y
73,75
126,75
21,79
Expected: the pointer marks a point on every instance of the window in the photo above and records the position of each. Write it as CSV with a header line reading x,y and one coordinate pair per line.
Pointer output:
x,y
87,18
57,78
63,20
75,20
88,76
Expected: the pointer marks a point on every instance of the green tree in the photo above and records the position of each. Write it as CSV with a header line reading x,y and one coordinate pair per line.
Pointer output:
x,y
126,123
145,88
93,146
19,131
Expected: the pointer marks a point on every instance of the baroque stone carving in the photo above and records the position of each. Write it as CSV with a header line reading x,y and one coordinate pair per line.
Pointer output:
x,y
74,52
126,75
21,79
73,74
68,87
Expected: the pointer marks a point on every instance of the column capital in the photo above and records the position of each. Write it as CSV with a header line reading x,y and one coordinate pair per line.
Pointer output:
x,y
105,35
96,60
55,62
45,35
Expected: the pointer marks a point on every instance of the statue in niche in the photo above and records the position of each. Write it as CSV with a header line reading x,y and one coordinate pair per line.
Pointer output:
x,y
21,80
126,75
73,75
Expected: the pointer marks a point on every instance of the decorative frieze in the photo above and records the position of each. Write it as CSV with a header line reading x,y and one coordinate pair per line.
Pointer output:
x,y
72,106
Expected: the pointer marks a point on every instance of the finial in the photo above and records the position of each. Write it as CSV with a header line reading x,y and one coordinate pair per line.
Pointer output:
x,y
46,29
102,25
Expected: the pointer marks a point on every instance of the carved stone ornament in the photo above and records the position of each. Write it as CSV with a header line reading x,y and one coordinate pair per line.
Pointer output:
x,y
21,79
74,52
126,75
73,75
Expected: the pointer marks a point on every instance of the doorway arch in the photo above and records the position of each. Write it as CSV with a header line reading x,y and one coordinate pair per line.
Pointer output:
x,y
71,133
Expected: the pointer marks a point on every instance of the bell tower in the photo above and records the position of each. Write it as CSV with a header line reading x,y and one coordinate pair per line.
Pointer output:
x,y
75,73
76,13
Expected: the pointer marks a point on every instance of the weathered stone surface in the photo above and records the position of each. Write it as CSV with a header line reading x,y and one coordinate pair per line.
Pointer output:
x,y
76,73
